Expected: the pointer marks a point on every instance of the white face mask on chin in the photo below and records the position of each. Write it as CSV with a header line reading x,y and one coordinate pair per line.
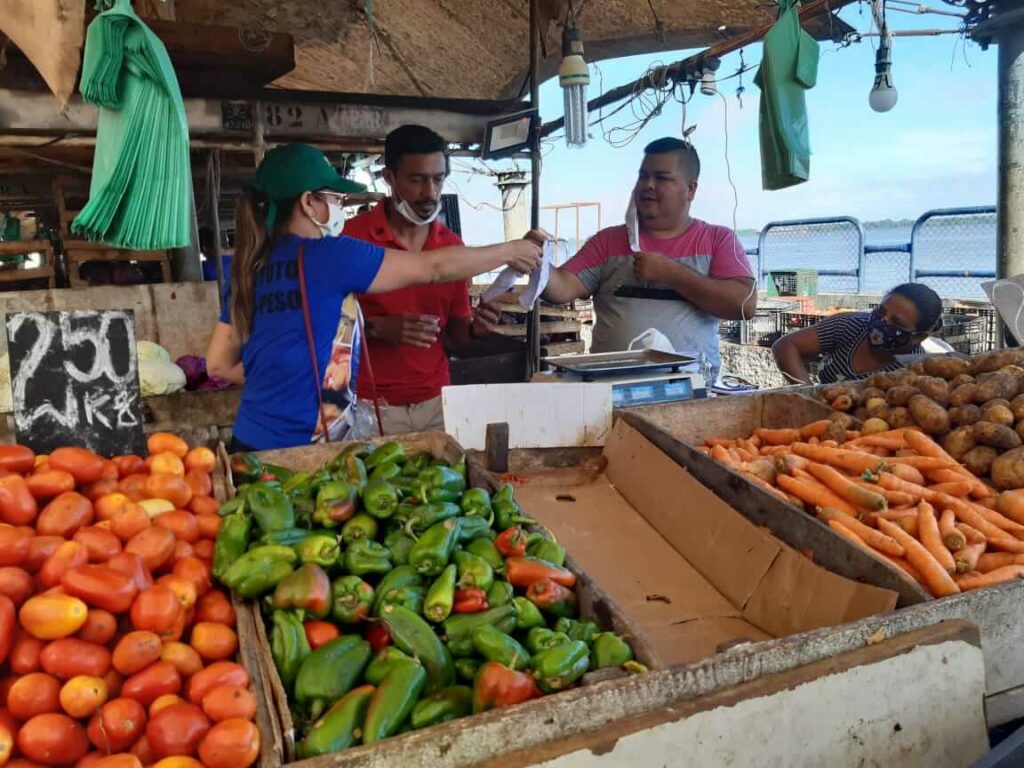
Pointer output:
x,y
335,221
409,213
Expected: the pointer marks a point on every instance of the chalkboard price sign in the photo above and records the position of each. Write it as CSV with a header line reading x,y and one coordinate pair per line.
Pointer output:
x,y
75,380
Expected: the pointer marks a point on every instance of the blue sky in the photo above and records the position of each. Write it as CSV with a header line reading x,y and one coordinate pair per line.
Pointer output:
x,y
936,148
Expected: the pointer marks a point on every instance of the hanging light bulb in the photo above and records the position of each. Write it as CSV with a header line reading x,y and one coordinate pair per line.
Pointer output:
x,y
574,77
883,95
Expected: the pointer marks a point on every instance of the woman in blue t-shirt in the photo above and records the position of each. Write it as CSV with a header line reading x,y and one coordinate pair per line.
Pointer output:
x,y
290,253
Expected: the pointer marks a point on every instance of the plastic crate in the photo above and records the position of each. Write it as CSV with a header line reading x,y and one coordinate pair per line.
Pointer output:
x,y
793,282
966,333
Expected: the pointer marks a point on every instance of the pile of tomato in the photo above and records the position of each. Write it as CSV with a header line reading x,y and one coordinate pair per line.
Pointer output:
x,y
116,651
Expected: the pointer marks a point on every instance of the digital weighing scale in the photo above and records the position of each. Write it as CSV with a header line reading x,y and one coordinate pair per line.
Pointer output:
x,y
638,377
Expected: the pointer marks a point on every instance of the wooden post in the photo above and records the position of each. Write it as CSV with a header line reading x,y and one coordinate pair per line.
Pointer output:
x,y
496,447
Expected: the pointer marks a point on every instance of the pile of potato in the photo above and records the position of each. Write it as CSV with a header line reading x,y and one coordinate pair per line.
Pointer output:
x,y
974,407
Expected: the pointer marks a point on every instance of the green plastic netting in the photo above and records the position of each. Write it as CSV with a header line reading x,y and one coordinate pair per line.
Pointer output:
x,y
141,191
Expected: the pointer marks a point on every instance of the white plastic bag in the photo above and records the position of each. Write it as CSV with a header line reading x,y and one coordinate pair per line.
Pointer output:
x,y
534,288
652,338
633,226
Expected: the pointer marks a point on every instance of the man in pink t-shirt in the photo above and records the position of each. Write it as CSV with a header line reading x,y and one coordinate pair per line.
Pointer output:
x,y
685,277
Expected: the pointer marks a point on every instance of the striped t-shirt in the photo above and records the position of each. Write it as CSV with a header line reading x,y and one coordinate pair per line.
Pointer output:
x,y
839,337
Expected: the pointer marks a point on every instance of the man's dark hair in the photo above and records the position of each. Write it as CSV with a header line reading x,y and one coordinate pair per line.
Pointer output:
x,y
688,159
927,301
412,140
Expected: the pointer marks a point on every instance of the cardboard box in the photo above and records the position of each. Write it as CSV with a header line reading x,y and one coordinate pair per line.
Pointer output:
x,y
690,572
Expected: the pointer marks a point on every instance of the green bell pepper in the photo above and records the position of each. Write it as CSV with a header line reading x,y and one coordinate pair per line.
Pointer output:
x,y
364,556
528,615
416,464
307,589
473,571
609,650
270,507
500,593
486,549
442,706
351,599
382,663
259,570
386,471
467,667
458,630
286,537
297,483
473,528
437,483
353,471
400,544
476,502
542,638
389,452
408,597
319,549
430,555
506,511
340,726
359,526
288,645
406,486
559,667
232,542
380,498
232,507
417,638
578,630
280,474
441,596
335,503
547,550
393,700
329,672
399,576
495,645
245,468
428,515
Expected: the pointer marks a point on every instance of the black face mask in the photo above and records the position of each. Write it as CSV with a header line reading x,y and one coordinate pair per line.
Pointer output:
x,y
886,335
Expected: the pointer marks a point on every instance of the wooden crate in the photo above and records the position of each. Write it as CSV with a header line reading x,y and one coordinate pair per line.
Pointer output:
x,y
78,252
45,271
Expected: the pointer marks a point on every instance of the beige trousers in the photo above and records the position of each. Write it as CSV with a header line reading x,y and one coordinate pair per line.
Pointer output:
x,y
418,417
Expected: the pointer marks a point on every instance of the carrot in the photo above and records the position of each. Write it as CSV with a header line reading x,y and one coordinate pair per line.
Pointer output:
x,y
931,539
852,537
972,535
969,581
891,434
992,560
755,441
766,486
925,446
935,577
905,472
846,488
846,533
814,494
744,454
786,463
722,456
905,519
960,489
997,537
945,476
852,434
923,463
1011,504
895,498
748,446
850,461
884,544
998,520
951,537
988,502
966,559
777,436
724,442
814,441
735,455
878,441
814,429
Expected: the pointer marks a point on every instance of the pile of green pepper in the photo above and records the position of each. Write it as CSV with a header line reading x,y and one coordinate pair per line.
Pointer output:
x,y
398,598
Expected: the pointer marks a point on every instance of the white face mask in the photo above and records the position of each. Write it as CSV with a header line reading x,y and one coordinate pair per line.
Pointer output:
x,y
409,213
335,221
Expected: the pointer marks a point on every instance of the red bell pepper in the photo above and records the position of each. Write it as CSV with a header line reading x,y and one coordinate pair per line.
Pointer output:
x,y
308,589
524,571
498,686
552,598
511,542
470,600
320,633
377,636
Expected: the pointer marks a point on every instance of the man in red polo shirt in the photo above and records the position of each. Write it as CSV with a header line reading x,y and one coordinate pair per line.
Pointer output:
x,y
406,328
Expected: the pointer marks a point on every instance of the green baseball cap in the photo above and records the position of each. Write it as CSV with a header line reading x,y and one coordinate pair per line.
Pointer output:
x,y
291,169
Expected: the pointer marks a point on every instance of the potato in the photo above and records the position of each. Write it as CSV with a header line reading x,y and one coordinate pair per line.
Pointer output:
x,y
837,390
960,380
900,395
1019,429
963,415
963,394
995,385
880,410
1017,406
861,413
844,419
947,368
993,403
979,460
1008,470
993,361
904,377
998,414
843,403
900,417
874,426
959,441
929,415
1014,370
835,431
935,388
996,435
882,381
870,393
916,367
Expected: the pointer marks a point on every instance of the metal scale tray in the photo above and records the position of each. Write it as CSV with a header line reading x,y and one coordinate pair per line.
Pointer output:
x,y
632,362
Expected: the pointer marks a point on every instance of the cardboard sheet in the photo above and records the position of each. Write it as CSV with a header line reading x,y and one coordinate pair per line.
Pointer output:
x,y
688,570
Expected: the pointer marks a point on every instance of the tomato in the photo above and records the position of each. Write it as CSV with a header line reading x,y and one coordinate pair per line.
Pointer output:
x,y
154,681
208,525
155,507
109,471
136,651
215,606
101,543
82,695
66,557
24,655
156,609
227,701
177,730
15,544
161,442
203,549
233,743
100,627
7,720
200,459
114,680
53,739
102,487
178,761
50,617
204,505
129,522
110,504
214,642
34,694
154,545
196,571
165,701
18,505
218,673
101,587
183,657
17,584
17,458
6,743
134,486
182,524
84,465
119,724
69,657
182,549
65,515
8,626
47,483
131,564
170,487
39,549
128,465
199,482
166,463
182,587
143,751
320,633
116,761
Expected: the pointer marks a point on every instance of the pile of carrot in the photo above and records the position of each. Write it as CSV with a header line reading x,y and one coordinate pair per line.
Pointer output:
x,y
896,494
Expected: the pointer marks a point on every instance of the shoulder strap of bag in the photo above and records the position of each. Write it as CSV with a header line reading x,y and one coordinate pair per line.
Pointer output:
x,y
312,346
